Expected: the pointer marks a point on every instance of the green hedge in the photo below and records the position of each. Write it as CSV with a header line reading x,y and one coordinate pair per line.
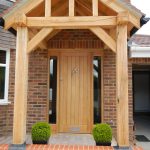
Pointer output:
x,y
102,133
41,131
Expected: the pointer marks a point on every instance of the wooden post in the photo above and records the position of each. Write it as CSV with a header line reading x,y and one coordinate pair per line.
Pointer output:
x,y
95,7
48,8
21,84
122,87
71,8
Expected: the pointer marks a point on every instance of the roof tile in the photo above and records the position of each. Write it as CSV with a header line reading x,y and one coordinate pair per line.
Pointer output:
x,y
141,40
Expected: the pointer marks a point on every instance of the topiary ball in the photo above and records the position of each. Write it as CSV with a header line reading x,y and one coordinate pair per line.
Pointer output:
x,y
41,131
102,133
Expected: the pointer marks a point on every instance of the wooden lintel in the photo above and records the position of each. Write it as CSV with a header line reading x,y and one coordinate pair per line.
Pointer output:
x,y
95,7
71,8
106,38
122,87
60,22
43,33
48,8
21,85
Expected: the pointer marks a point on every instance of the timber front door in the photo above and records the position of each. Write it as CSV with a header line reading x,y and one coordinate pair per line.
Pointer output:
x,y
75,105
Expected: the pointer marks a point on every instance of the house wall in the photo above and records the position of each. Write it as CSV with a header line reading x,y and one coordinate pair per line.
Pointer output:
x,y
6,111
7,42
38,81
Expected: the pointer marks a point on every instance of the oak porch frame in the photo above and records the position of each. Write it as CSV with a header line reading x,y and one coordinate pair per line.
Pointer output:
x,y
94,23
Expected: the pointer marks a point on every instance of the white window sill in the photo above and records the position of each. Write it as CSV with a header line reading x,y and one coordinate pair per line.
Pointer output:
x,y
4,103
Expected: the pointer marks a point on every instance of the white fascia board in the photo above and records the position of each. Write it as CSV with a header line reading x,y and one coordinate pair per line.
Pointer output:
x,y
139,52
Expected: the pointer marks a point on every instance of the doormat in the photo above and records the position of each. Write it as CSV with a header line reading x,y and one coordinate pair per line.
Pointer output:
x,y
142,138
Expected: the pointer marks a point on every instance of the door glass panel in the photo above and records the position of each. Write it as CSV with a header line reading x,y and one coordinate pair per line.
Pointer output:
x,y
2,82
97,89
53,90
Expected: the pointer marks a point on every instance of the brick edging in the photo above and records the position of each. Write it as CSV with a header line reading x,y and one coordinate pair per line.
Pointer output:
x,y
66,147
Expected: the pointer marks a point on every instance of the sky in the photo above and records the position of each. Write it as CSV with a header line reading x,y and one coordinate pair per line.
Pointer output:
x,y
144,6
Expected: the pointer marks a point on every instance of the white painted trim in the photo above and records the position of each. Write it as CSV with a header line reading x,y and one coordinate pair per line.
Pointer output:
x,y
139,52
5,100
4,103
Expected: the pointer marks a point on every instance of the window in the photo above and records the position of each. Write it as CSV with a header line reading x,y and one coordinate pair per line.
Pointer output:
x,y
97,89
4,75
53,90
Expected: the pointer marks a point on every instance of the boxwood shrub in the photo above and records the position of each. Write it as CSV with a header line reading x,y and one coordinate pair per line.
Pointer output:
x,y
41,131
102,133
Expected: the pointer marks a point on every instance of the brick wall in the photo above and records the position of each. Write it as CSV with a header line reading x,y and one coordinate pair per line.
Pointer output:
x,y
109,79
37,88
7,41
6,112
75,39
131,122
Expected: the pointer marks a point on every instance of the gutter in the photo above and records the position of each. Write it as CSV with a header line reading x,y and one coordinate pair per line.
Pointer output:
x,y
143,21
12,30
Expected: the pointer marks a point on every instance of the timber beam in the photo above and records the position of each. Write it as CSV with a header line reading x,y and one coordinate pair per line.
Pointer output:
x,y
95,7
122,87
134,19
38,38
32,33
26,7
71,22
105,37
71,7
48,9
21,86
122,18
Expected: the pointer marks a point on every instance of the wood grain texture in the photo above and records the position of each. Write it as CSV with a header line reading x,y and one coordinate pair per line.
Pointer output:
x,y
24,7
75,94
37,39
47,8
68,22
122,87
21,85
133,18
106,38
95,7
71,7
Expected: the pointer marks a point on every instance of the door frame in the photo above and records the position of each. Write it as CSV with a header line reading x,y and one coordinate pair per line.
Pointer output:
x,y
57,53
134,73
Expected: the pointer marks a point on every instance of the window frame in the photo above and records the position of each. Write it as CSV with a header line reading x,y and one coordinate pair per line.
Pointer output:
x,y
6,65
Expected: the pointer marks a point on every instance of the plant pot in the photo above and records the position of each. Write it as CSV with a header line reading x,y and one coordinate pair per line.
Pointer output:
x,y
102,144
40,142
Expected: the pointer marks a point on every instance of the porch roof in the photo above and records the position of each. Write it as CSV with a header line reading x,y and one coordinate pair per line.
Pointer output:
x,y
108,8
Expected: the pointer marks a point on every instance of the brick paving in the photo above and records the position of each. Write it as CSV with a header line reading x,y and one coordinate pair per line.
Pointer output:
x,y
65,147
4,147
